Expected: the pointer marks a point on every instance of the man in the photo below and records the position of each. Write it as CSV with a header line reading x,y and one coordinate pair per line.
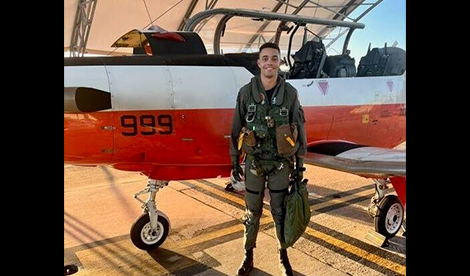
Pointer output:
x,y
268,125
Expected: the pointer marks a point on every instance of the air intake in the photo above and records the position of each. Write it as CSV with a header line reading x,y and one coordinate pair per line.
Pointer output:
x,y
85,99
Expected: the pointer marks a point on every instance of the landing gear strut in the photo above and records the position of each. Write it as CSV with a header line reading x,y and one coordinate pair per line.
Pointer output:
x,y
151,229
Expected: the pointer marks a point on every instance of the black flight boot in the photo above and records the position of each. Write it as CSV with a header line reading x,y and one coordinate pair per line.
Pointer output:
x,y
247,265
284,264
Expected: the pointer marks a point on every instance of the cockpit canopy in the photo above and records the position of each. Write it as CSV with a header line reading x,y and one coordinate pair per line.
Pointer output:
x,y
162,43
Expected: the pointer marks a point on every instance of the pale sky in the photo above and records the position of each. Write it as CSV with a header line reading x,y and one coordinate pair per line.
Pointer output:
x,y
385,23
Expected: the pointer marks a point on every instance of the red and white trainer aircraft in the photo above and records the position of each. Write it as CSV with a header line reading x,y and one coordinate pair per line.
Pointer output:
x,y
166,111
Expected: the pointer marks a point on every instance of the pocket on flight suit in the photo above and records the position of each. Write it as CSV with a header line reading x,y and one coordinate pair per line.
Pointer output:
x,y
286,139
247,140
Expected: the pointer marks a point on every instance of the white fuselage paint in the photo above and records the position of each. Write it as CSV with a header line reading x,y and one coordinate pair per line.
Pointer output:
x,y
212,87
86,76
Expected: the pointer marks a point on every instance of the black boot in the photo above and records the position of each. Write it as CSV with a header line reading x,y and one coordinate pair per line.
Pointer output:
x,y
284,264
247,265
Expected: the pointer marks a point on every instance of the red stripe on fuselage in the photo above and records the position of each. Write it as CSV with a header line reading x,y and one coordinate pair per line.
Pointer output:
x,y
188,144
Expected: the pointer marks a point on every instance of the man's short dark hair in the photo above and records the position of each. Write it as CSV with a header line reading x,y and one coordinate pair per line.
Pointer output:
x,y
269,45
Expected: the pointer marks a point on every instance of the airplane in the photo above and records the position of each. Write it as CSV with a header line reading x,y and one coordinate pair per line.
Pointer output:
x,y
165,111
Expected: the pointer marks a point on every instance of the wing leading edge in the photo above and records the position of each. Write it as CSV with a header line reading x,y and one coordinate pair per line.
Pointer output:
x,y
371,162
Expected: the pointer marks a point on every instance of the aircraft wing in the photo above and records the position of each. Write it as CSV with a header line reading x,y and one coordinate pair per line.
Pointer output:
x,y
371,162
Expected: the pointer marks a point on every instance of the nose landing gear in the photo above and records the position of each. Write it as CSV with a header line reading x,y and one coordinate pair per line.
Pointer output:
x,y
151,229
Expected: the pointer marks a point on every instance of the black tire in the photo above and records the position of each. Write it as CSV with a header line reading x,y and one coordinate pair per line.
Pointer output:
x,y
389,217
141,236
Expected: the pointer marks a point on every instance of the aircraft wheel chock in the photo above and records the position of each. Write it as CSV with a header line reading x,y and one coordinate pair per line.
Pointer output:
x,y
389,217
142,235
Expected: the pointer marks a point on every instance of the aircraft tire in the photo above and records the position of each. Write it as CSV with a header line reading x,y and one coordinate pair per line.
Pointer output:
x,y
142,236
389,217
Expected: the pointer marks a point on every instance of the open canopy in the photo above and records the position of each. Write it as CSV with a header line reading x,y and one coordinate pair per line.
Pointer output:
x,y
93,26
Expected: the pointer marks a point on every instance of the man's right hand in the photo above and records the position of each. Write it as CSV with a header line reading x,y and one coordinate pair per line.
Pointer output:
x,y
237,171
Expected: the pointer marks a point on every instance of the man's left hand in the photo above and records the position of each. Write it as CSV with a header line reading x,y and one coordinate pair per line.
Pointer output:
x,y
298,173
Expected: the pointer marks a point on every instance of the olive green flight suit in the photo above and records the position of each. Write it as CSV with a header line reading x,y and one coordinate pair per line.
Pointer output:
x,y
263,163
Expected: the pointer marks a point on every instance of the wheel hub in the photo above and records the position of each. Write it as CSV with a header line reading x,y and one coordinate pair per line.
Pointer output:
x,y
150,236
393,218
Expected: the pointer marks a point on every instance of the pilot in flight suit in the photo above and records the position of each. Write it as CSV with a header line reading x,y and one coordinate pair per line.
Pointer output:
x,y
268,125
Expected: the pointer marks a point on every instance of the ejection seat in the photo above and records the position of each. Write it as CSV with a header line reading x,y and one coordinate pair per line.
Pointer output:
x,y
386,61
308,61
340,66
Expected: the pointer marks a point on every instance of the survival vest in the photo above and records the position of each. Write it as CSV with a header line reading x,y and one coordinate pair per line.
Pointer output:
x,y
265,118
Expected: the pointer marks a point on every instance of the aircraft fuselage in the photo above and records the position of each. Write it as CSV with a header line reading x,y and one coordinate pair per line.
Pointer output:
x,y
173,120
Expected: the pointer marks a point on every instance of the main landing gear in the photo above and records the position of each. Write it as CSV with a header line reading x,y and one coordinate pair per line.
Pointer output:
x,y
387,211
151,229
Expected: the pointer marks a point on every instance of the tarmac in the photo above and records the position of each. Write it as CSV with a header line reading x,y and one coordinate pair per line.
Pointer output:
x,y
206,236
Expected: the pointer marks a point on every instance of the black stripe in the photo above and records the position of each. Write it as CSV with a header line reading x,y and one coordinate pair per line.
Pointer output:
x,y
206,192
279,191
365,219
328,231
337,195
352,241
188,60
358,243
342,204
202,60
353,257
218,187
252,192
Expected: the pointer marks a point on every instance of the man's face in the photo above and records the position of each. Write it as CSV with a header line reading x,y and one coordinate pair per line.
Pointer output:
x,y
269,62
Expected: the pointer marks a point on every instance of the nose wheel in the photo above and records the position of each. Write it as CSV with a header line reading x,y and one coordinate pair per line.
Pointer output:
x,y
389,216
146,238
151,228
